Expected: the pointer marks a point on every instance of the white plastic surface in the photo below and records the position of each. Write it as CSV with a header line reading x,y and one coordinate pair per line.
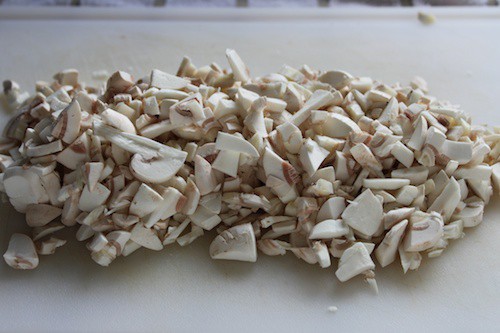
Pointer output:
x,y
181,289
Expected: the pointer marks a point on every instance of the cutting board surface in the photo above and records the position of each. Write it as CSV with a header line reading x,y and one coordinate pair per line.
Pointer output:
x,y
182,289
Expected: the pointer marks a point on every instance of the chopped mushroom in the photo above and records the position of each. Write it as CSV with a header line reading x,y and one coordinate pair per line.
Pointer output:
x,y
236,243
318,163
354,261
364,214
21,253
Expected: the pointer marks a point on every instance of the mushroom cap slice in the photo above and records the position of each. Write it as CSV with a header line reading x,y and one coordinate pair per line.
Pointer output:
x,y
158,169
235,243
152,161
424,232
118,120
21,253
339,126
23,187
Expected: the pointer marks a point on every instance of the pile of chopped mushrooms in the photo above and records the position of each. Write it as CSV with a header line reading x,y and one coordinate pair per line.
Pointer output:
x,y
321,164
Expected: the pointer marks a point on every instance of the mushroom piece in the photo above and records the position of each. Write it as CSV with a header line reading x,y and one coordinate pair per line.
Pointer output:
x,y
364,156
49,246
291,137
454,230
235,243
227,161
21,252
328,229
174,232
23,188
311,155
407,194
386,251
38,215
319,99
118,82
385,183
458,151
240,70
479,172
323,256
91,200
255,120
123,220
336,125
151,107
331,209
235,143
409,260
67,127
446,203
76,153
471,215
275,166
145,201
145,237
190,237
192,195
403,154
118,239
337,79
424,231
495,176
205,178
164,80
418,137
187,111
157,168
205,218
92,173
390,112
364,214
272,247
397,215
354,261
43,150
172,202
118,121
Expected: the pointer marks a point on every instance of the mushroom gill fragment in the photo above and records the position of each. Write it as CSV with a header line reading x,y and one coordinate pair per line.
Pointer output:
x,y
322,164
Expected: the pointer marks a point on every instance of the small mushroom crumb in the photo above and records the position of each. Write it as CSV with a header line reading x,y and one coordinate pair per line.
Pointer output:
x,y
339,170
426,18
332,308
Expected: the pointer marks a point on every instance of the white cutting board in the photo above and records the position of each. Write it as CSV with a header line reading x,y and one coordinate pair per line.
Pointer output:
x,y
181,289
